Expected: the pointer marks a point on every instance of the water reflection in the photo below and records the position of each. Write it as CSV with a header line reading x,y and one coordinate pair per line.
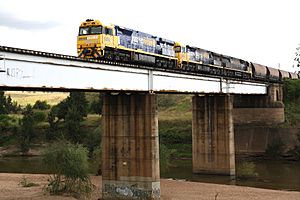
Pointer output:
x,y
280,175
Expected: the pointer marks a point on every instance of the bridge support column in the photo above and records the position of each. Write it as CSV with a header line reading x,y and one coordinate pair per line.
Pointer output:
x,y
130,157
213,135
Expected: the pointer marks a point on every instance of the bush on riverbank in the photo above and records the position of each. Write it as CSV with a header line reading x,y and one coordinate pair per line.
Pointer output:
x,y
246,170
275,148
69,165
165,157
291,98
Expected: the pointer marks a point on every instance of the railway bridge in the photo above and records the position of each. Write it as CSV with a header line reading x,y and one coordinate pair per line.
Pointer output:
x,y
130,142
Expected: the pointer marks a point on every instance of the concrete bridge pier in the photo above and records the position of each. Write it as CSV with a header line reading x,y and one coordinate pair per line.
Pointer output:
x,y
213,135
130,157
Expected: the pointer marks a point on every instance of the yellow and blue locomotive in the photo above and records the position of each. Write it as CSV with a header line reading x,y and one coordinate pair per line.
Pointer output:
x,y
120,44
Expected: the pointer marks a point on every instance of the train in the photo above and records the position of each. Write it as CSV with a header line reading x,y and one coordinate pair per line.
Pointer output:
x,y
116,43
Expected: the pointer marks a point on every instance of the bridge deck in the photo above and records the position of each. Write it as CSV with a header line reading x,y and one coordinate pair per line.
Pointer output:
x,y
38,70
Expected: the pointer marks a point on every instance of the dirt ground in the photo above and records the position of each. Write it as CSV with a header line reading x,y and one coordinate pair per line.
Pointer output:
x,y
170,190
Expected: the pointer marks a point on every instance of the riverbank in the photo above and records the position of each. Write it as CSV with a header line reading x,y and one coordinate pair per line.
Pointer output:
x,y
10,188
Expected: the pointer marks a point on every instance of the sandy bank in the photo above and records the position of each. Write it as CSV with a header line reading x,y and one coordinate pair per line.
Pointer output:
x,y
170,190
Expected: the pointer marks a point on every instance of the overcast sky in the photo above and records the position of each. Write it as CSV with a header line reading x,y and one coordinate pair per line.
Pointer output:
x,y
261,31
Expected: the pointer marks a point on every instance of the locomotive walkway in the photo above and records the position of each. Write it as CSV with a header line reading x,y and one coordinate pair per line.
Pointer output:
x,y
130,143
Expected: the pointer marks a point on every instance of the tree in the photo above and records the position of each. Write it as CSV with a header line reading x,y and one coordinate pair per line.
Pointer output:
x,y
3,104
69,163
41,105
78,100
53,125
27,133
72,110
297,57
96,105
72,123
7,105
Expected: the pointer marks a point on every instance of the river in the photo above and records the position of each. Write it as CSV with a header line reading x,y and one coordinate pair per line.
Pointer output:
x,y
280,175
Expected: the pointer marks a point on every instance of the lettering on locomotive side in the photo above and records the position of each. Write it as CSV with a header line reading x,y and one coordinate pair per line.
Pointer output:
x,y
107,39
92,37
149,42
82,38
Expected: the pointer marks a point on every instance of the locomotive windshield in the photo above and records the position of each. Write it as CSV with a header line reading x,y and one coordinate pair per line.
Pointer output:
x,y
90,30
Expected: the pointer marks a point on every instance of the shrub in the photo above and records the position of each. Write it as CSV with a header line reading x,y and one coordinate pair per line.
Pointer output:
x,y
97,160
5,122
275,148
27,132
175,132
246,170
69,163
41,105
296,150
166,100
39,116
26,183
72,124
165,156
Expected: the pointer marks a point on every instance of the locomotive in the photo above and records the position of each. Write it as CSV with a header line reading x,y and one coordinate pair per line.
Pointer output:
x,y
116,43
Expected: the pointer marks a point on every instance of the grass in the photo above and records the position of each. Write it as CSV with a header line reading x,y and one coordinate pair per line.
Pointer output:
x,y
26,183
174,107
181,150
23,98
92,120
246,170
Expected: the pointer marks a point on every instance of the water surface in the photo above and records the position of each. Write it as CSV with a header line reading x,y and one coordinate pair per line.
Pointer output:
x,y
280,175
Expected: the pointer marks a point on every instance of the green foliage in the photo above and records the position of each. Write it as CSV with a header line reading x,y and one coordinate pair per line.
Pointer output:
x,y
97,160
292,114
52,131
69,164
7,105
93,140
8,128
165,156
296,150
291,91
166,100
181,150
291,97
27,131
72,110
5,122
246,170
3,107
175,132
26,183
95,105
60,110
78,100
72,124
39,116
41,105
275,148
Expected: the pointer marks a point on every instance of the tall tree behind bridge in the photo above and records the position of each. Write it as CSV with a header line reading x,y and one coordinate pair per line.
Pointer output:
x,y
297,57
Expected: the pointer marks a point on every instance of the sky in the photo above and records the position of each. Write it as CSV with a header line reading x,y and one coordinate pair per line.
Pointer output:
x,y
261,31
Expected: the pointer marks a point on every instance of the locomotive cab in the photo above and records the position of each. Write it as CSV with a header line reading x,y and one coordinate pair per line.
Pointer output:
x,y
94,38
180,54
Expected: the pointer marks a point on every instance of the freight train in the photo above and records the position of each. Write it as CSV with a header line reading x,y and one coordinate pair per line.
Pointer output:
x,y
116,43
